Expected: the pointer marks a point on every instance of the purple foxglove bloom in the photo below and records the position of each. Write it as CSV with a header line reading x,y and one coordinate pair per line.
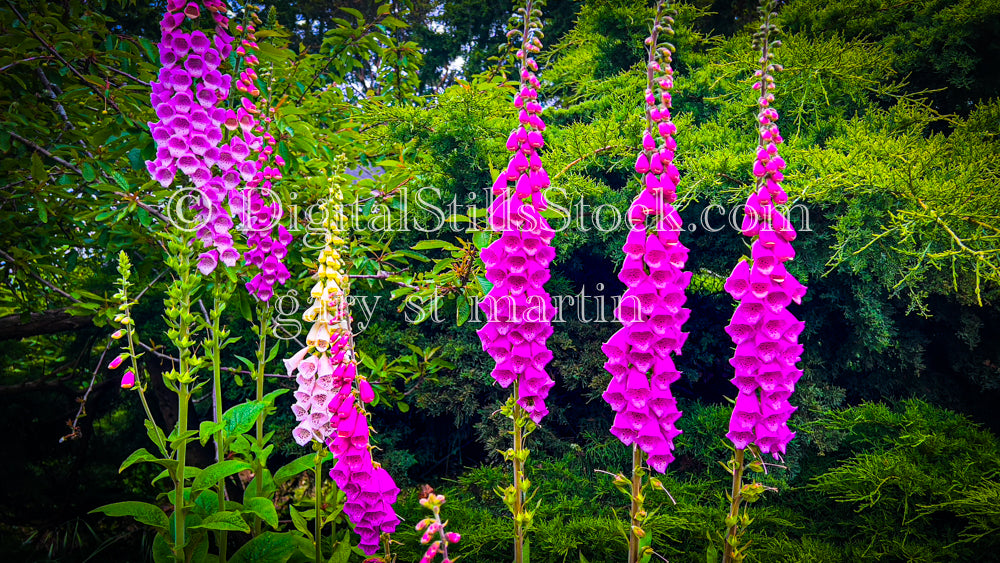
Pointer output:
x,y
186,138
518,310
764,331
651,310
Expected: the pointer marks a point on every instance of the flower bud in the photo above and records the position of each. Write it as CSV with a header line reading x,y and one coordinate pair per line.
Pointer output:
x,y
118,334
128,380
116,362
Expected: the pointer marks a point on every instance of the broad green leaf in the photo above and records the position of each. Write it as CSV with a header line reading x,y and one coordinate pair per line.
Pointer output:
x,y
242,418
342,552
269,547
88,172
143,512
294,468
161,550
206,430
227,520
218,471
264,509
143,456
208,502
481,239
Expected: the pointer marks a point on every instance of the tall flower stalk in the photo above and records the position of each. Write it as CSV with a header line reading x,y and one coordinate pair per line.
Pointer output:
x,y
133,379
651,312
329,403
764,331
188,97
518,310
260,168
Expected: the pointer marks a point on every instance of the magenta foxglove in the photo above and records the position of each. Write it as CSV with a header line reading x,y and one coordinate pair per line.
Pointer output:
x,y
651,310
764,331
259,166
518,309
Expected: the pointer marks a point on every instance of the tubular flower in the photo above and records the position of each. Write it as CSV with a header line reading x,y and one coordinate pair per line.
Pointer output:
x,y
329,403
764,331
187,97
651,312
259,166
518,309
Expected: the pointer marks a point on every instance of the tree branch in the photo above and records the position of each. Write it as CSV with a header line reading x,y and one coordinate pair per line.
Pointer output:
x,y
47,322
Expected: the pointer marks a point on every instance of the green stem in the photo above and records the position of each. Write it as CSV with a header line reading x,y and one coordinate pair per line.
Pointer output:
x,y
184,376
318,533
519,530
183,394
633,539
220,447
518,412
263,315
728,553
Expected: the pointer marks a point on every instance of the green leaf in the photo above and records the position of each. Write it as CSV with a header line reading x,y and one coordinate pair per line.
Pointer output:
x,y
37,168
242,417
161,550
88,172
143,512
403,407
218,471
227,520
644,542
481,239
485,284
342,552
711,554
272,53
208,502
269,547
206,430
583,559
464,310
143,456
299,522
264,509
294,468
430,244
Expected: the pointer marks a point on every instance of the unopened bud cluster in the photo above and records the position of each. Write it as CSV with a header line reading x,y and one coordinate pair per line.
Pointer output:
x,y
434,532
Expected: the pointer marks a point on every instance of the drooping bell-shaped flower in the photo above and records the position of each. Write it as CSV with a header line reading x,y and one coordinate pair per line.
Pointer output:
x,y
651,310
518,309
764,331
189,132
